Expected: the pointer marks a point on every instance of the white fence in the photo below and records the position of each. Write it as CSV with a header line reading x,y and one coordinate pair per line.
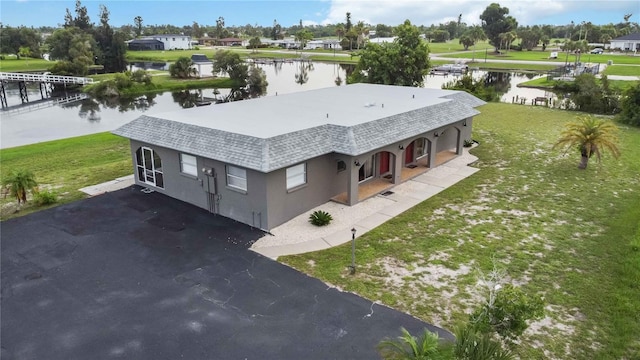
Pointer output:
x,y
48,78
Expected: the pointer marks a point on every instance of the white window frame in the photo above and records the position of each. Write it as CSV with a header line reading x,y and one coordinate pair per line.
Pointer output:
x,y
149,171
188,164
296,176
235,179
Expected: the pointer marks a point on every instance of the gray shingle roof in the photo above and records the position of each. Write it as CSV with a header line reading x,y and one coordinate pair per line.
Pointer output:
x,y
634,36
274,132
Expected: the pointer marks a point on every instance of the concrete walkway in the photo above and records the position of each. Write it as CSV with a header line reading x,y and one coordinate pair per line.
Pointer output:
x,y
113,185
299,236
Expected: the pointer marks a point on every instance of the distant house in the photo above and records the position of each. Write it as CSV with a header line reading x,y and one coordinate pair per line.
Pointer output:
x,y
145,44
629,42
327,44
161,42
200,62
264,161
382,40
230,42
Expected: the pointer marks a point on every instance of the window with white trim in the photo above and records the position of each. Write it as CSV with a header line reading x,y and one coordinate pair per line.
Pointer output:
x,y
188,164
296,176
237,178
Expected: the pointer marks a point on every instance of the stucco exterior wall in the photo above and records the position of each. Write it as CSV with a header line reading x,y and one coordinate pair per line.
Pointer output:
x,y
323,182
248,207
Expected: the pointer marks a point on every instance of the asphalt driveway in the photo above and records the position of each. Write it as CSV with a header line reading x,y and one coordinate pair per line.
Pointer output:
x,y
142,276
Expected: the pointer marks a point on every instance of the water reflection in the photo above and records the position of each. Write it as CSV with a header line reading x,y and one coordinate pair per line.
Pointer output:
x,y
302,76
96,115
90,108
500,81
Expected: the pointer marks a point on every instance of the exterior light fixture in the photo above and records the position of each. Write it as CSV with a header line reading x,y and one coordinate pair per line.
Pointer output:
x,y
356,163
436,134
401,147
353,251
464,123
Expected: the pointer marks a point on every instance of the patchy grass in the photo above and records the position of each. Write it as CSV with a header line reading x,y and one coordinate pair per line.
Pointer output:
x,y
625,70
64,166
561,232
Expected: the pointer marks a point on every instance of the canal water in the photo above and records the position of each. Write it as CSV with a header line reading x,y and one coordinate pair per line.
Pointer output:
x,y
44,121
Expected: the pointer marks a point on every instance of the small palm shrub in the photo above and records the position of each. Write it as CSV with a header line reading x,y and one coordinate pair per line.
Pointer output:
x,y
472,345
426,346
19,183
468,143
320,218
45,197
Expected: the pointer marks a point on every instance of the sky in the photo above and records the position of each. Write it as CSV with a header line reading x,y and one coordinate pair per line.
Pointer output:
x,y
311,12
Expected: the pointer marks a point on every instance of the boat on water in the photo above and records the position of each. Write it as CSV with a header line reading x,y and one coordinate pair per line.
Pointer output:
x,y
449,69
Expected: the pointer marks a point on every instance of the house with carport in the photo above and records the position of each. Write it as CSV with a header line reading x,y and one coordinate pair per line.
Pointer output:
x,y
264,161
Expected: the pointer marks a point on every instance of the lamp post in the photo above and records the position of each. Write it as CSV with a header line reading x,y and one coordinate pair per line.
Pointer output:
x,y
353,251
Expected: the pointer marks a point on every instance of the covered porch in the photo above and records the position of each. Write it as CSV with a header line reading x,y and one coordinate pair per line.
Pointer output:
x,y
379,185
380,170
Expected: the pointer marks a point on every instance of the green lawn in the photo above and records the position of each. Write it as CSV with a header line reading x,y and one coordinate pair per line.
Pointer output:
x,y
560,232
161,81
509,66
454,45
60,166
537,55
625,70
10,64
543,83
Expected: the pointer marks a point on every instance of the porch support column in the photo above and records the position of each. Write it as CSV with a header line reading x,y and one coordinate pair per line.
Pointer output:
x,y
352,191
460,143
397,166
433,145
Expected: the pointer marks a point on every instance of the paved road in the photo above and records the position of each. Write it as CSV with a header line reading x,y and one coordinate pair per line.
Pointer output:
x,y
132,276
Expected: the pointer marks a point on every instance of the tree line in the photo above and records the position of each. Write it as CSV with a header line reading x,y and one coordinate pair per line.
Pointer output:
x,y
500,28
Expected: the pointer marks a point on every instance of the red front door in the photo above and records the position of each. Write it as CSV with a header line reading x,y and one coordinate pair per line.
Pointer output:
x,y
384,162
408,154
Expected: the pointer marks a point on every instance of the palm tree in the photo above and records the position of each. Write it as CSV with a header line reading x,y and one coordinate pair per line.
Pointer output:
x,y
340,31
511,36
407,346
477,34
591,136
19,182
605,38
362,31
182,68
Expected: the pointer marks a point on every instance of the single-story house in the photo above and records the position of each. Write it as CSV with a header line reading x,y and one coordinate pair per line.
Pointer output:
x,y
231,42
161,42
264,161
382,40
330,44
629,42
